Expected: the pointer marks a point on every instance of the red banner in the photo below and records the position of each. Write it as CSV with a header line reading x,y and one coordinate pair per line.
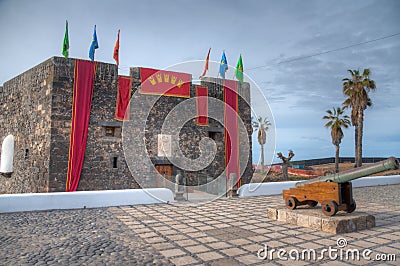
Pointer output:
x,y
84,74
231,100
123,98
167,83
202,105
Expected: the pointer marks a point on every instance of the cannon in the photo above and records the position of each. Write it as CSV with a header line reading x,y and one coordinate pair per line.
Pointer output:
x,y
333,192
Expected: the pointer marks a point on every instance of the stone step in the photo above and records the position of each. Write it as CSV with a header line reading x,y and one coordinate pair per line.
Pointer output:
x,y
313,218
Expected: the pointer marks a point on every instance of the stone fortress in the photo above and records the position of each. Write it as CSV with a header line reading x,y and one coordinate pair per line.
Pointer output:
x,y
36,109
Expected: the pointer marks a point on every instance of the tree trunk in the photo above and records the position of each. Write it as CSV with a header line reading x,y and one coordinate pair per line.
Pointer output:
x,y
359,137
355,145
262,158
337,159
285,176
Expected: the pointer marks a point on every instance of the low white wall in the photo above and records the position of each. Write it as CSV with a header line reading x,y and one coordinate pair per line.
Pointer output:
x,y
275,188
376,181
83,199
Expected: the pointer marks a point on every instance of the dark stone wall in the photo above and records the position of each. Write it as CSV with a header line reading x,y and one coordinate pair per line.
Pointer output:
x,y
215,88
98,171
190,134
36,107
25,112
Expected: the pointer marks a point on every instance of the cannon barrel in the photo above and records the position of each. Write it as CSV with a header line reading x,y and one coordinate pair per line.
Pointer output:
x,y
346,176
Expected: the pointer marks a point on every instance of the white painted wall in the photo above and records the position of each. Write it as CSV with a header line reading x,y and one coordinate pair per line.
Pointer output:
x,y
276,188
7,155
83,199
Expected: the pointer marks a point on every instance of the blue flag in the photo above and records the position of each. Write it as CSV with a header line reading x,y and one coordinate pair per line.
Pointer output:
x,y
223,67
94,45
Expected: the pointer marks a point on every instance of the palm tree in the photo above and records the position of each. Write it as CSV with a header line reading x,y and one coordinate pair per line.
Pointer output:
x,y
262,125
336,120
356,90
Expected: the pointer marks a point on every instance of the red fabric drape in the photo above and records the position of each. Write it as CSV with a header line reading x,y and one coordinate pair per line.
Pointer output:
x,y
231,128
166,83
202,105
123,97
82,101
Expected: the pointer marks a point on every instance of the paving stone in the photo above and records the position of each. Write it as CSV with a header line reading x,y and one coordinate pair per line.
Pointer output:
x,y
207,239
262,231
219,245
205,228
309,245
364,244
221,225
250,227
387,250
142,230
209,256
153,240
198,234
171,252
249,259
176,237
186,242
381,240
148,235
292,240
170,232
237,223
253,248
224,262
197,249
162,228
239,242
233,252
186,260
161,246
308,237
187,230
258,238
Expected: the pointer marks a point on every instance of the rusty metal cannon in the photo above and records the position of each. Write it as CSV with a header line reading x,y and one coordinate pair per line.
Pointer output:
x,y
333,192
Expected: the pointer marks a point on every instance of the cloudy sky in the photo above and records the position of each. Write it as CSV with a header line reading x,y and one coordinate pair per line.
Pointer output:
x,y
291,50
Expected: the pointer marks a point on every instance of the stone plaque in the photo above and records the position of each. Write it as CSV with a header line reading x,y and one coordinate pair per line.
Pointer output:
x,y
164,145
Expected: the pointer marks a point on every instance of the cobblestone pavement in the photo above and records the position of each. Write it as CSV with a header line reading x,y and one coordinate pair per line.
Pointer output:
x,y
71,237
223,232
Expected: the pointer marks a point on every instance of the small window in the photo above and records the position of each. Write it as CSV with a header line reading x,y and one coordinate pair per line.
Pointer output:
x,y
110,131
115,162
212,135
26,153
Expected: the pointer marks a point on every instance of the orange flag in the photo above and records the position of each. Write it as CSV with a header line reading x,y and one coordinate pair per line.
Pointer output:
x,y
206,65
116,50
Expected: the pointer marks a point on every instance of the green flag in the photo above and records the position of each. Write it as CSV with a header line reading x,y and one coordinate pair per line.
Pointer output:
x,y
239,69
66,41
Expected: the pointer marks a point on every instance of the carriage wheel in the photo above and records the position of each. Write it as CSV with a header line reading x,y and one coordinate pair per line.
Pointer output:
x,y
329,207
352,207
291,203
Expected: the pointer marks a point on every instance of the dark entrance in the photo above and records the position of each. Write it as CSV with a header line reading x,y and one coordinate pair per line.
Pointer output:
x,y
166,171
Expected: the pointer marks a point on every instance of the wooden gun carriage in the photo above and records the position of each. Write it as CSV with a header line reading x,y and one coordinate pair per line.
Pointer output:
x,y
333,192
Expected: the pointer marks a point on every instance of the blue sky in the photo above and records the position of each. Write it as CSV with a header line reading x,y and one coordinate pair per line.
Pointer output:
x,y
270,35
